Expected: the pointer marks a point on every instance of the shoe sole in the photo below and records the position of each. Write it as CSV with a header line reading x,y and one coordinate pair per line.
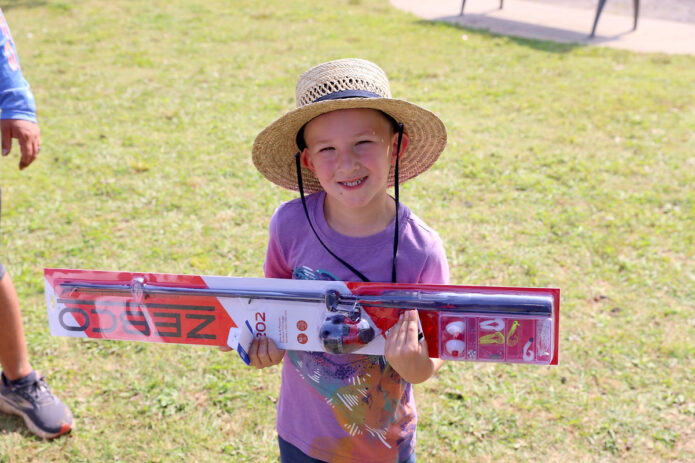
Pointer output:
x,y
10,409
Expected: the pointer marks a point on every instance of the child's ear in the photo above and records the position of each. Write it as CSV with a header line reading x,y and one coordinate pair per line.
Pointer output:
x,y
404,144
305,161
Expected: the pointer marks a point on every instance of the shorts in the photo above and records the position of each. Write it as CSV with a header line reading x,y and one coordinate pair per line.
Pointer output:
x,y
291,454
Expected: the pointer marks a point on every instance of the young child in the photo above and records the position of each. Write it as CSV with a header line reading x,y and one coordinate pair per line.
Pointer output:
x,y
23,391
344,145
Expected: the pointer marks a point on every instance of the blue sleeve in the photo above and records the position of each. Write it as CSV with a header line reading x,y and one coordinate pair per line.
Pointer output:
x,y
16,99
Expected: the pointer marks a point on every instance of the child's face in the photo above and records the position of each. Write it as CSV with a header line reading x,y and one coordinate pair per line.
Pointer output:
x,y
351,151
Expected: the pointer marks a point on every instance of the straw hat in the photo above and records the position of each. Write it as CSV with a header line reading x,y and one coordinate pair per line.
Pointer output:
x,y
343,84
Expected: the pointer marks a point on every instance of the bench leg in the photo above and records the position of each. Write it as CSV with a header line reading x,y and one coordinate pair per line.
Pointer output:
x,y
463,3
636,10
601,4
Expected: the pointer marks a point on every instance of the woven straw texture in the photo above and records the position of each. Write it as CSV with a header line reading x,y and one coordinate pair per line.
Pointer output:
x,y
275,147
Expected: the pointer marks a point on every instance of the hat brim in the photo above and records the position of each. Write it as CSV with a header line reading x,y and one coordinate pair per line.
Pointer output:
x,y
275,147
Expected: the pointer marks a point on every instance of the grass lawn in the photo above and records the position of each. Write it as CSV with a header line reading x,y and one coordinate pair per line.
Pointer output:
x,y
566,167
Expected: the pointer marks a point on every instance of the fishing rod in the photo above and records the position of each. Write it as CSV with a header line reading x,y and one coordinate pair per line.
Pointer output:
x,y
435,300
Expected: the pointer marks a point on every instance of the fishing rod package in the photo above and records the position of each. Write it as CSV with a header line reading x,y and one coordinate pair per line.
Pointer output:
x,y
468,323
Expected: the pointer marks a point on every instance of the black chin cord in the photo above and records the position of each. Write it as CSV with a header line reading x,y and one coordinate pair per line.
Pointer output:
x,y
300,183
395,191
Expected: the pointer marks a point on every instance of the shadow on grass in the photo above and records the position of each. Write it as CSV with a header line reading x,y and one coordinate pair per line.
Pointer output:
x,y
17,4
20,4
549,39
10,424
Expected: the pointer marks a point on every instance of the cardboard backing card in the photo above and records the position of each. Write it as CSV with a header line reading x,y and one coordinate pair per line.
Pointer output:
x,y
467,323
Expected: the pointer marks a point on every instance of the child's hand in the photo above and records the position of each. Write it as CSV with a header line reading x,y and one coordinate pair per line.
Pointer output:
x,y
408,356
264,353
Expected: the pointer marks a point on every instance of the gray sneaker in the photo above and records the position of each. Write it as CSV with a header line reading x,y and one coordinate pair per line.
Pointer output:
x,y
29,397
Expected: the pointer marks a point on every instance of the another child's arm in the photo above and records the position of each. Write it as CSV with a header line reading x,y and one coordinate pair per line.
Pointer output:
x,y
16,102
406,354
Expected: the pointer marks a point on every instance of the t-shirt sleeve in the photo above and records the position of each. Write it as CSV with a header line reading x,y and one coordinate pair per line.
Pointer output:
x,y
275,265
436,268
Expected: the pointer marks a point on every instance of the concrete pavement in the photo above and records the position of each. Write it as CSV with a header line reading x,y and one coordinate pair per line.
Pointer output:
x,y
560,23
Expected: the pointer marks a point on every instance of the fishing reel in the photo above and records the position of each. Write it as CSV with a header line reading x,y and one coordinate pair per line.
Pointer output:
x,y
343,330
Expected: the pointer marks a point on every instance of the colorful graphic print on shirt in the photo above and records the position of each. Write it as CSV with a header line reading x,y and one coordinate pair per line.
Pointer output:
x,y
368,398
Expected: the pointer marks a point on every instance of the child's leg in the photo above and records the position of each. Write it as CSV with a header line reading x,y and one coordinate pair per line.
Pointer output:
x,y
13,352
291,454
23,391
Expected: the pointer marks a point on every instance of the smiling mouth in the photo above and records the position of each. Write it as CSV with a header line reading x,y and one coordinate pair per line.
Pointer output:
x,y
354,183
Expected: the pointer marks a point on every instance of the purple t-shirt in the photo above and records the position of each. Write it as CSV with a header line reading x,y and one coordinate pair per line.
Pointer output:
x,y
348,408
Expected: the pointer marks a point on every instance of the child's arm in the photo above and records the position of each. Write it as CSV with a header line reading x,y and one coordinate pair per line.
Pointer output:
x,y
408,356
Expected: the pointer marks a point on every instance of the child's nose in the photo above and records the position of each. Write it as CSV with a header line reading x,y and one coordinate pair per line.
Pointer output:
x,y
347,159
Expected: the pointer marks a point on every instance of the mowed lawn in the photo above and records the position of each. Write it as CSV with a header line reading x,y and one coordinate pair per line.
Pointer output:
x,y
566,167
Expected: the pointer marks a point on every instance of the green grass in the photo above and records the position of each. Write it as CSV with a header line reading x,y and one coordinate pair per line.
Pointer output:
x,y
566,166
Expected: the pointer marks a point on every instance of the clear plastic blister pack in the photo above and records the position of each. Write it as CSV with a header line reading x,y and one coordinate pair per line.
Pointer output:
x,y
511,339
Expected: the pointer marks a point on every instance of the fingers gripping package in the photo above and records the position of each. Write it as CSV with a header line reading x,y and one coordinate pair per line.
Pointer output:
x,y
468,323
